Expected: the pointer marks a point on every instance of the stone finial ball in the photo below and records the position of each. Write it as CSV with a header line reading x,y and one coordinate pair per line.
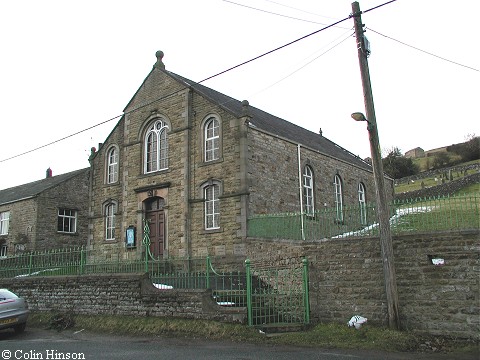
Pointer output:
x,y
245,103
159,54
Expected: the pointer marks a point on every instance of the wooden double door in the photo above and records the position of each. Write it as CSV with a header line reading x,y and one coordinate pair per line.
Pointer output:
x,y
155,217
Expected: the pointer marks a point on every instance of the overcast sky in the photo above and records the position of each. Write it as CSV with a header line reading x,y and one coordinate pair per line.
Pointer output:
x,y
68,65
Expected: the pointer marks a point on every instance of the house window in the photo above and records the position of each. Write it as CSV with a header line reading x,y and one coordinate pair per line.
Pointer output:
x,y
308,204
337,182
212,139
362,204
4,222
67,221
112,165
212,208
156,147
110,210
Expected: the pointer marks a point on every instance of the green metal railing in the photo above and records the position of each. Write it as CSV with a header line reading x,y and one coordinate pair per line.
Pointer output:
x,y
277,296
271,295
416,215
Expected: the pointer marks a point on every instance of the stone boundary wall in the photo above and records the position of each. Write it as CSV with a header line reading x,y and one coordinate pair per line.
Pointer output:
x,y
118,294
439,172
346,279
439,190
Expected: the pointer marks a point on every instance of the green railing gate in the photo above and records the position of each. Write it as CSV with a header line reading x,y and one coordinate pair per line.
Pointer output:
x,y
277,296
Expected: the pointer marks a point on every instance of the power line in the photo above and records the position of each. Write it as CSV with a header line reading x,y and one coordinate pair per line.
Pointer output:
x,y
426,52
304,65
277,14
208,78
276,49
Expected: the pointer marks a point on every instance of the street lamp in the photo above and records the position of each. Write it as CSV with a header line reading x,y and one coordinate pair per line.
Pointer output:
x,y
383,220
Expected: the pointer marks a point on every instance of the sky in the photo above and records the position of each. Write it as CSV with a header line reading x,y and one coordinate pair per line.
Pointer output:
x,y
67,66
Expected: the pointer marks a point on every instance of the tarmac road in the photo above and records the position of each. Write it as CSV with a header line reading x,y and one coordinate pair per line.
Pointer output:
x,y
68,344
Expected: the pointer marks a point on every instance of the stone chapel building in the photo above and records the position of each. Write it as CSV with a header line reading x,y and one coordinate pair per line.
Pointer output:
x,y
193,164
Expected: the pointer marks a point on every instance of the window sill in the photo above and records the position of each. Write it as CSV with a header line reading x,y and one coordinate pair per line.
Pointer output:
x,y
206,163
212,231
68,233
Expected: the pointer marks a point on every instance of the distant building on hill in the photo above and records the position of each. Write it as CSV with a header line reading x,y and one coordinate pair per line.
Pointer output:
x,y
415,153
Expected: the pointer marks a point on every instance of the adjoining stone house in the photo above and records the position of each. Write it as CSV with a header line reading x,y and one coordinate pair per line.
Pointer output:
x,y
194,164
46,214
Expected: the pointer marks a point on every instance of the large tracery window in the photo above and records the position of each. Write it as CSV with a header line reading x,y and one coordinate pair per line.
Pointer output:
x,y
156,147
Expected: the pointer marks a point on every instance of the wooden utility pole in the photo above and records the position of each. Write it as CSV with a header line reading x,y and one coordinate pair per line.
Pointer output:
x,y
382,207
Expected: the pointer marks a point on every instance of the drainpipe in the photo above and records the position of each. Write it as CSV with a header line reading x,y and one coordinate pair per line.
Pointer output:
x,y
300,190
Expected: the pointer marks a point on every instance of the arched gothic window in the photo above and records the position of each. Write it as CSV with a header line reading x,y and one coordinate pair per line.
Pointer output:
x,y
156,147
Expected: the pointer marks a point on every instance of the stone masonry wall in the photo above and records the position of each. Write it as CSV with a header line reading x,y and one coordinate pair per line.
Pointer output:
x,y
21,234
118,294
71,194
346,278
274,171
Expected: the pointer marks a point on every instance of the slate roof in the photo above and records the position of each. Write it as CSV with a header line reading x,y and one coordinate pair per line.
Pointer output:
x,y
29,190
275,125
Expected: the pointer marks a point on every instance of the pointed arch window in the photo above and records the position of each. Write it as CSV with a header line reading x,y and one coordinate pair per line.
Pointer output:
x,y
112,165
362,204
156,147
308,199
337,182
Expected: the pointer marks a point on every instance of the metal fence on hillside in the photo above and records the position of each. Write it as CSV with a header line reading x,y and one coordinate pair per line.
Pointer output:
x,y
412,216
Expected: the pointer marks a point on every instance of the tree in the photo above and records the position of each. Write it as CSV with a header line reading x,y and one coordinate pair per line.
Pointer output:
x,y
441,160
469,150
398,166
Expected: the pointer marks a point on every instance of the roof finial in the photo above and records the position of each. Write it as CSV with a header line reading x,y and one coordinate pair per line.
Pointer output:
x,y
245,110
159,64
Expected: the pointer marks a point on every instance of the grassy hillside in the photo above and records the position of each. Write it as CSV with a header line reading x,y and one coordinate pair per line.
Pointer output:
x,y
435,179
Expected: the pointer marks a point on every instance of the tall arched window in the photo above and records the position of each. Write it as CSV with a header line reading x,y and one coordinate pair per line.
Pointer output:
x,y
337,182
112,165
156,147
362,204
308,203
110,210
212,206
212,139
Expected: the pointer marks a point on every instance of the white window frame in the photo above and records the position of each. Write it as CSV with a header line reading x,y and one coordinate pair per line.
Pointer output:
x,y
4,222
110,210
67,216
212,206
308,196
156,147
112,165
362,203
337,182
211,139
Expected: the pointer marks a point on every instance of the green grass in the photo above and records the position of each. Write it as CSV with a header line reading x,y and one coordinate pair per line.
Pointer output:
x,y
429,181
334,336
